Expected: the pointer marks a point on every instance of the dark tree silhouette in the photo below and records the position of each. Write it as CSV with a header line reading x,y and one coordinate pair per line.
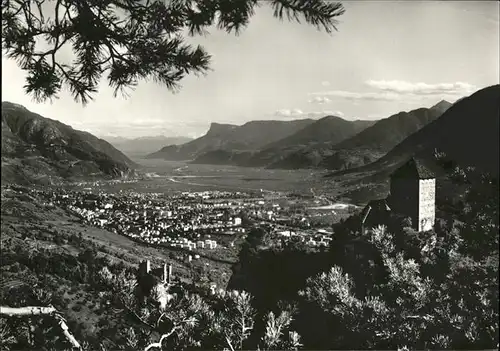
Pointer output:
x,y
131,40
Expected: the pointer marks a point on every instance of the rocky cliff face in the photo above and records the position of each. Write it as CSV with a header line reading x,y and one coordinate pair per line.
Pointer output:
x,y
227,137
35,148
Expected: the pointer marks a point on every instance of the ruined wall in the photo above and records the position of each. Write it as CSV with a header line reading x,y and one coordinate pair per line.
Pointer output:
x,y
427,204
404,197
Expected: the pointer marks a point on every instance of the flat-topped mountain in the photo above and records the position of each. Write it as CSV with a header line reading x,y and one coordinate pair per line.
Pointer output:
x,y
328,130
332,142
247,137
220,129
35,148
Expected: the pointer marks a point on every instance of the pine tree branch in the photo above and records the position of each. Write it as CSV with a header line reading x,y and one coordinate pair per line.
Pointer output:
x,y
130,40
229,343
138,317
68,335
163,337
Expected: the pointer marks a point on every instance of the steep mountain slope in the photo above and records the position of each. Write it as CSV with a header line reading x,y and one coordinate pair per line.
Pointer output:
x,y
327,129
35,148
366,146
442,106
224,157
214,138
467,133
250,136
388,132
138,147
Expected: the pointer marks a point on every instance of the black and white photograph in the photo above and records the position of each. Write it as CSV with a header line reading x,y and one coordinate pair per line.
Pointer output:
x,y
250,175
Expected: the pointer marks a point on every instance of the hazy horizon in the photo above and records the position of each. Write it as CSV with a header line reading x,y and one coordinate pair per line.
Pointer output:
x,y
386,57
110,135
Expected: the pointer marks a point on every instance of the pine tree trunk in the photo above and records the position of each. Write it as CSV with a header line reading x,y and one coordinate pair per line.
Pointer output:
x,y
35,310
26,311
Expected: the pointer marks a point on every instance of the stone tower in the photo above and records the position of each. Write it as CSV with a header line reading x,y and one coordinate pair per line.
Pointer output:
x,y
145,267
167,273
413,194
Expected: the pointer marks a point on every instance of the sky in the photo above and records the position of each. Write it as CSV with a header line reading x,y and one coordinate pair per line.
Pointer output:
x,y
386,57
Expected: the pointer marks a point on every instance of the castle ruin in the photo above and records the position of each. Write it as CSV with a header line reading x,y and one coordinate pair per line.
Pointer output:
x,y
164,272
412,194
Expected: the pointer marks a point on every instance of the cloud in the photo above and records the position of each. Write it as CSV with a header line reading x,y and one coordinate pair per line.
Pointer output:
x,y
297,113
397,90
325,83
141,127
320,100
420,88
349,95
146,123
289,113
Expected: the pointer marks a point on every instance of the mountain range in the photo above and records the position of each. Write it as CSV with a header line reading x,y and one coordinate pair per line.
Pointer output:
x,y
366,146
467,133
330,142
329,129
249,144
38,149
251,136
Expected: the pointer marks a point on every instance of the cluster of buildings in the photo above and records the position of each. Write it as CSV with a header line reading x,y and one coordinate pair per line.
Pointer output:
x,y
188,220
181,221
319,238
188,244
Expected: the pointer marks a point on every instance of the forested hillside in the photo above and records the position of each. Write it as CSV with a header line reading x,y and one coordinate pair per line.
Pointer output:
x,y
389,289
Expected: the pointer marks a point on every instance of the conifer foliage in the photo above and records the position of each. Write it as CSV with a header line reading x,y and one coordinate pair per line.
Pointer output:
x,y
130,40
